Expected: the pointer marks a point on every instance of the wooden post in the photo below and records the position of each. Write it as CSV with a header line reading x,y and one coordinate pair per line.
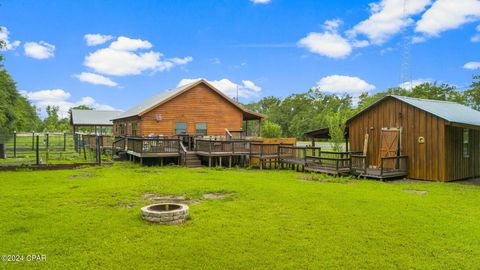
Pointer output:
x,y
14,144
230,162
37,154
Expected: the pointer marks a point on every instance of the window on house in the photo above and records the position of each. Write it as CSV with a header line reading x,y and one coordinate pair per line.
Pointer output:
x,y
180,128
201,129
466,140
134,129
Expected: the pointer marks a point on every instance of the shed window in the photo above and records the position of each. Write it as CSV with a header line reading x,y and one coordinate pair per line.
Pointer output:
x,y
201,129
466,139
180,128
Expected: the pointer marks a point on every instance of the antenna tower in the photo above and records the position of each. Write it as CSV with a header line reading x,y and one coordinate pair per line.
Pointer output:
x,y
405,76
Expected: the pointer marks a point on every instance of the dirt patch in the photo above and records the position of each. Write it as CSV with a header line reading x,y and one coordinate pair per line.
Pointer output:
x,y
312,178
169,198
338,180
83,175
216,195
146,171
415,191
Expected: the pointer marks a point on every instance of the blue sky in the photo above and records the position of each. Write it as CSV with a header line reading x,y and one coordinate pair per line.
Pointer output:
x,y
115,54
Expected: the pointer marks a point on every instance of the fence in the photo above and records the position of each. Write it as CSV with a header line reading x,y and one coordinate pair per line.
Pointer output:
x,y
48,148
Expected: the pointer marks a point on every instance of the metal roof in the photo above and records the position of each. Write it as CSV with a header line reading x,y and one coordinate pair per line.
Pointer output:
x,y
93,117
164,96
147,104
450,111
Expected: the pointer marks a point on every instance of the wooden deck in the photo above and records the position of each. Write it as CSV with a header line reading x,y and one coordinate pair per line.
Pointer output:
x,y
329,162
390,167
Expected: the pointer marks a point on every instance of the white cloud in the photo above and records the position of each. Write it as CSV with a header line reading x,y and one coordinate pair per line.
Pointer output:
x,y
129,44
95,79
247,89
360,43
338,84
388,18
418,39
4,36
260,1
96,39
329,43
60,98
447,14
216,61
472,65
39,50
121,58
413,83
181,61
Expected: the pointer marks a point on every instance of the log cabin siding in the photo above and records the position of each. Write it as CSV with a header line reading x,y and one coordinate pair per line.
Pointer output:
x,y
426,161
198,105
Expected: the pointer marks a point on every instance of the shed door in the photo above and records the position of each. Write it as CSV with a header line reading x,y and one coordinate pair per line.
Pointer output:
x,y
389,146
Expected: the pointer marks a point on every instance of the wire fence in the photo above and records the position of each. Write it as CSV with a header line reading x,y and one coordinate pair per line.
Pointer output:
x,y
51,148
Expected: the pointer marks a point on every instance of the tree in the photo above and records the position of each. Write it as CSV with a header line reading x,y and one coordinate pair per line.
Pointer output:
x,y
16,112
271,130
336,126
472,95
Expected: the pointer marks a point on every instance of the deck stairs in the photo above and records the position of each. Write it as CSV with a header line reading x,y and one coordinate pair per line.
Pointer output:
x,y
192,160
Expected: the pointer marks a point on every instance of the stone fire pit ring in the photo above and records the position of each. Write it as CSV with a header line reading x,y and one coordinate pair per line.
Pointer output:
x,y
165,213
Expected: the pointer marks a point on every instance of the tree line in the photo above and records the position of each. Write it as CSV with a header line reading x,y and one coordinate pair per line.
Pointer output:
x,y
299,113
288,117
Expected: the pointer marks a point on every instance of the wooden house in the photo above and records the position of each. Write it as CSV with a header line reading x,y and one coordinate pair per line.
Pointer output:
x,y
197,108
417,138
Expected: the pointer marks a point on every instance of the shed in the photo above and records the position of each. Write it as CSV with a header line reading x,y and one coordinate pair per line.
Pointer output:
x,y
93,119
423,139
324,134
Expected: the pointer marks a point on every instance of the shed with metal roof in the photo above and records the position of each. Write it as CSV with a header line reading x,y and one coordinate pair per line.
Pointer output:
x,y
416,138
92,119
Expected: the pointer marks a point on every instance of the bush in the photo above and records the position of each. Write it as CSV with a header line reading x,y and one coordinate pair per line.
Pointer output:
x,y
271,130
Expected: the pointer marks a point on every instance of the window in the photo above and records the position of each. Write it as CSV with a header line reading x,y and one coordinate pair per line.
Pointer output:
x,y
180,128
201,129
466,139
134,128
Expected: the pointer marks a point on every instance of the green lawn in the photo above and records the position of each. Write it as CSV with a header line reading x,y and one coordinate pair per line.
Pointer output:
x,y
90,219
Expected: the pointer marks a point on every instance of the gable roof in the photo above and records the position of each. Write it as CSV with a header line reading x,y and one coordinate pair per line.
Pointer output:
x,y
450,111
163,97
93,117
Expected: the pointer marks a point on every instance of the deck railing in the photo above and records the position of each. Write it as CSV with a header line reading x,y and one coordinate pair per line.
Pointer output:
x,y
297,152
119,143
335,162
266,150
388,165
222,146
153,145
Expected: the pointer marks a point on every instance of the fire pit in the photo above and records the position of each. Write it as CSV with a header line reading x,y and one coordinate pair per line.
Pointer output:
x,y
165,213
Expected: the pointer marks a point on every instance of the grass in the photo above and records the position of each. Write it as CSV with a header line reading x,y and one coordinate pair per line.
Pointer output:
x,y
89,219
